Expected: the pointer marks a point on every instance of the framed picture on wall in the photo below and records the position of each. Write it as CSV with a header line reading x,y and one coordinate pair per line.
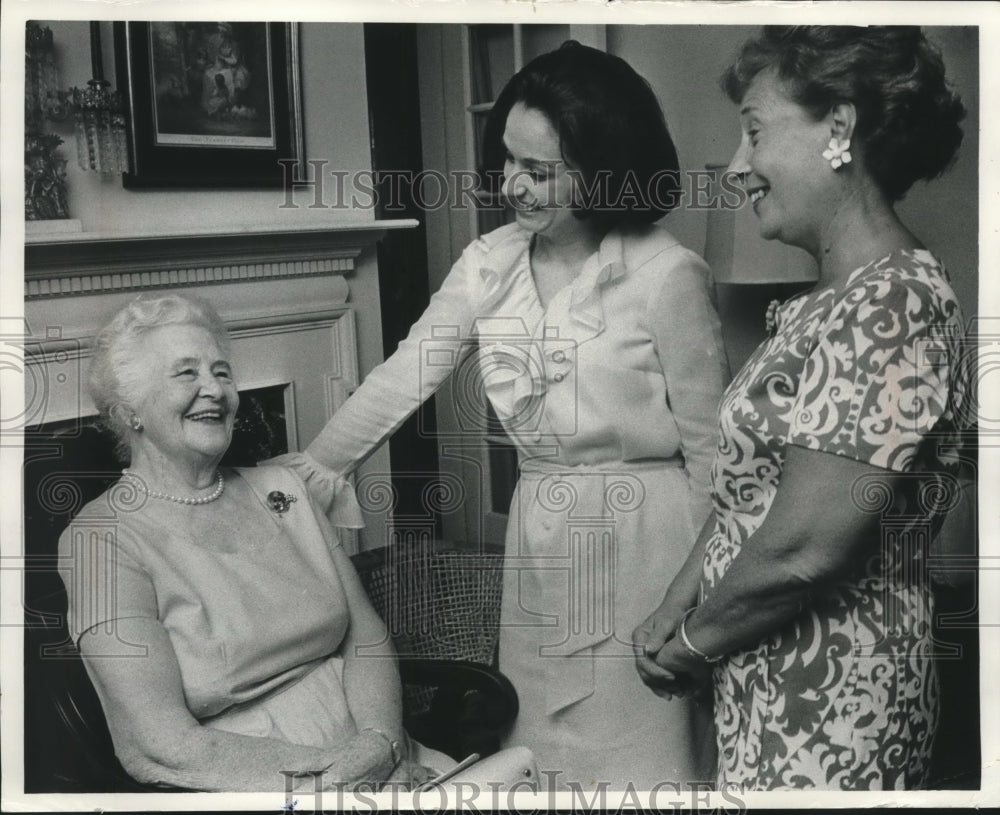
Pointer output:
x,y
210,104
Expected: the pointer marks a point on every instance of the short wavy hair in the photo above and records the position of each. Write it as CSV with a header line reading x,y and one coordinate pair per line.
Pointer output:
x,y
115,381
609,122
908,115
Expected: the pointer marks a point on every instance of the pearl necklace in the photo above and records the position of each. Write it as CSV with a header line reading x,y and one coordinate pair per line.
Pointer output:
x,y
220,485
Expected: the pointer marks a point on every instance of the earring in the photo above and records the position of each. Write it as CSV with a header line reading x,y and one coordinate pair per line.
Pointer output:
x,y
136,423
838,152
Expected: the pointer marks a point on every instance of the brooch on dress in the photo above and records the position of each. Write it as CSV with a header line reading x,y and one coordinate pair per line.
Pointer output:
x,y
279,502
771,317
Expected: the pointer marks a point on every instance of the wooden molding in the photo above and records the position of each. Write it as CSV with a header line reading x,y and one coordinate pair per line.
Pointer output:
x,y
58,265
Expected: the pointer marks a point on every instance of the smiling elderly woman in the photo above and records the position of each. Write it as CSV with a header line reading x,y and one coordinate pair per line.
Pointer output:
x,y
248,610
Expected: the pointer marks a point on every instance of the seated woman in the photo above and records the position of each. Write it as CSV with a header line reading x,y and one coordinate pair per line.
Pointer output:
x,y
217,614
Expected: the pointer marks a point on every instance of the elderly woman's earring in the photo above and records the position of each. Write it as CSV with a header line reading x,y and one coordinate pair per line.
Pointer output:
x,y
838,152
136,423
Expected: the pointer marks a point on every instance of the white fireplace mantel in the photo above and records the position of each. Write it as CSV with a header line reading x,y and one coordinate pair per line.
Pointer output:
x,y
68,264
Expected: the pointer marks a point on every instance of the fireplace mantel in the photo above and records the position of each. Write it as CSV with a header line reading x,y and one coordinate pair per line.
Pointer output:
x,y
68,264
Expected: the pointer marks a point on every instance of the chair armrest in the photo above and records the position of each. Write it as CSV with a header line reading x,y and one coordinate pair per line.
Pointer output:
x,y
66,736
472,707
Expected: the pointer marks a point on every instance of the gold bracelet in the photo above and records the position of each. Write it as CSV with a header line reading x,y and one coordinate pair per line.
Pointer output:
x,y
394,746
683,637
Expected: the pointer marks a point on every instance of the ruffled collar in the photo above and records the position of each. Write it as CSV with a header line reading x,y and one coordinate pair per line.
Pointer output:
x,y
510,258
515,368
606,265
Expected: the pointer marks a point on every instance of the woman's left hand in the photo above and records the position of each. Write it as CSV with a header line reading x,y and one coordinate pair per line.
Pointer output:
x,y
690,673
646,645
649,639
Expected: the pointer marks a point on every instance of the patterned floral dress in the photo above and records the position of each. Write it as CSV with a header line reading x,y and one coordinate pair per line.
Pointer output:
x,y
844,696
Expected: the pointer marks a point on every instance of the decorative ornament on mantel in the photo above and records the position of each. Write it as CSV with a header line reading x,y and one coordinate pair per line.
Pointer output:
x,y
44,178
44,170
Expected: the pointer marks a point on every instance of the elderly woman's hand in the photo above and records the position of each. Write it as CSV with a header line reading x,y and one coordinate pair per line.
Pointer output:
x,y
409,775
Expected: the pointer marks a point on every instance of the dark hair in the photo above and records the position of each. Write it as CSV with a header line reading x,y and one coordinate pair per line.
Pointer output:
x,y
908,116
609,124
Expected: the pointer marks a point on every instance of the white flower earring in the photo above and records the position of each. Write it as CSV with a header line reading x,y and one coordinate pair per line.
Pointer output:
x,y
838,152
136,423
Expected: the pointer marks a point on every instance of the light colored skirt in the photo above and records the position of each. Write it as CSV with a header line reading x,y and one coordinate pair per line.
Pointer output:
x,y
590,552
312,712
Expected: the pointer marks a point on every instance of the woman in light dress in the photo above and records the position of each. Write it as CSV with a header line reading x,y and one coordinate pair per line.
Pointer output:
x,y
215,610
600,353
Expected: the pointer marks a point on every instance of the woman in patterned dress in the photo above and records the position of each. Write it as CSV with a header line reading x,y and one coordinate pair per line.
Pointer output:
x,y
808,601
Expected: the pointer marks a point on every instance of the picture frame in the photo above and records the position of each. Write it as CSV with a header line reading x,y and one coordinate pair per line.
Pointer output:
x,y
210,104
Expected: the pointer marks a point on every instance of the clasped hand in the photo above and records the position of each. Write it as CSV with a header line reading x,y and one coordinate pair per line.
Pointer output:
x,y
663,664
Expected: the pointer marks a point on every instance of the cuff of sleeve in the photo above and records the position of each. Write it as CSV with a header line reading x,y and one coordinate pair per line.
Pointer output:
x,y
331,491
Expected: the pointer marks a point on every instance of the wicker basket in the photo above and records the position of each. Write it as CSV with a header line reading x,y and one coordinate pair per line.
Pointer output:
x,y
443,604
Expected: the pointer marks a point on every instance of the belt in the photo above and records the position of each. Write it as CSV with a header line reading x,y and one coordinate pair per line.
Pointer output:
x,y
541,467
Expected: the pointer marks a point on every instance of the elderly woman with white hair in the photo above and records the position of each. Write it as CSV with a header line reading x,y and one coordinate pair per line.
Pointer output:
x,y
234,589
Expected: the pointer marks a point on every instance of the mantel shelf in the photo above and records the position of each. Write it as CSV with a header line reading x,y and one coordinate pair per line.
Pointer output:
x,y
375,229
67,264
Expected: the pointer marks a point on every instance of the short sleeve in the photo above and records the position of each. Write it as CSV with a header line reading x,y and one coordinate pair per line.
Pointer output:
x,y
877,380
104,581
332,500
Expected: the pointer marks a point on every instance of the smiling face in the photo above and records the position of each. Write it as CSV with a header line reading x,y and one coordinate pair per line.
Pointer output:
x,y
187,398
536,181
789,183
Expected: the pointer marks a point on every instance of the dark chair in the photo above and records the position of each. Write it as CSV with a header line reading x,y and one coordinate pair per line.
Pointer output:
x,y
442,609
67,746
68,749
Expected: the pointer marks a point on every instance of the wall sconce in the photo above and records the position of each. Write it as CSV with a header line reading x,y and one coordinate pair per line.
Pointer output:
x,y
44,170
749,272
101,143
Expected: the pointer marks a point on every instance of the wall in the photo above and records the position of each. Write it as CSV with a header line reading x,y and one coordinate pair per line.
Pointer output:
x,y
336,129
683,64
335,117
